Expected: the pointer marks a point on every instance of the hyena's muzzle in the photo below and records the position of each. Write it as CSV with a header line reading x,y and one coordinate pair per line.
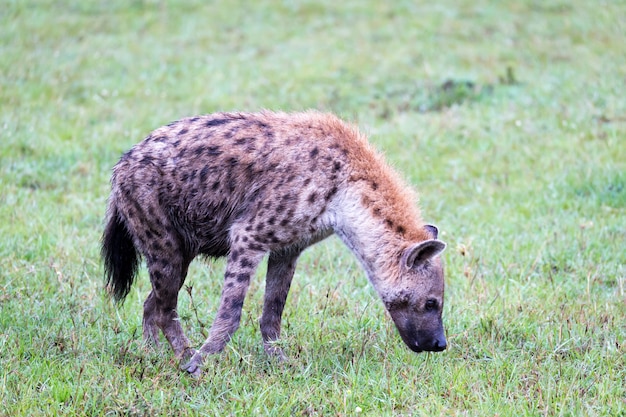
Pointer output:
x,y
422,333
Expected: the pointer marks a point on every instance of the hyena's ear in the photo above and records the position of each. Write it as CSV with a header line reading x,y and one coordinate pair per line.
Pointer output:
x,y
421,252
432,230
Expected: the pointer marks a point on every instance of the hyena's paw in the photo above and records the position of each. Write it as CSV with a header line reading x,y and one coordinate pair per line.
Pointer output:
x,y
150,334
194,366
275,352
187,354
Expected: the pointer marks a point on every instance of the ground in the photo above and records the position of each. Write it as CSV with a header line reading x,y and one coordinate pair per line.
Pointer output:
x,y
508,118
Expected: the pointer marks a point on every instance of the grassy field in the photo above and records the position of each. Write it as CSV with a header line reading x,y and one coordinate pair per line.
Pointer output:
x,y
508,117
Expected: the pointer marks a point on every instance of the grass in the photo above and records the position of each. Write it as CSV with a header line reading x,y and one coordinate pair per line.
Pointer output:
x,y
508,118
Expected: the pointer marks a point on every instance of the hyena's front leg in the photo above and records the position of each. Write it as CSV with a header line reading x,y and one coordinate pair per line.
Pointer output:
x,y
241,265
280,270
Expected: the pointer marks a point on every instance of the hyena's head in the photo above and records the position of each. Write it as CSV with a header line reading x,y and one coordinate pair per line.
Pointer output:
x,y
415,302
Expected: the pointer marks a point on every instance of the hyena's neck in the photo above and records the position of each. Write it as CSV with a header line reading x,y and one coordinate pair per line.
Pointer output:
x,y
377,231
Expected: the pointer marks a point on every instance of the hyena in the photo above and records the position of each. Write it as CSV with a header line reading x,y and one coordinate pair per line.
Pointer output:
x,y
242,185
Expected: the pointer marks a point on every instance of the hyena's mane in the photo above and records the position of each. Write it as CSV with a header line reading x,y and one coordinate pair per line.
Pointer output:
x,y
388,198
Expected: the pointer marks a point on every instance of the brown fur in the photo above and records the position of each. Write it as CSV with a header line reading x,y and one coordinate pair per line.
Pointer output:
x,y
242,185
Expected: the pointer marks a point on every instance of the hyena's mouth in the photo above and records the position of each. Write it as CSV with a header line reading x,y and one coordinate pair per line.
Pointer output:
x,y
417,345
435,345
412,343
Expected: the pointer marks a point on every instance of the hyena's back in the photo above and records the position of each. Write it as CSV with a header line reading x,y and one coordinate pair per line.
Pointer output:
x,y
186,184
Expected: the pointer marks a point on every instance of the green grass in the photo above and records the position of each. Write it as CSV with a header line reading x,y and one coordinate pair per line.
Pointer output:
x,y
520,161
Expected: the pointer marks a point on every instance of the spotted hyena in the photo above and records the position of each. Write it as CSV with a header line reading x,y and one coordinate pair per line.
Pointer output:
x,y
242,185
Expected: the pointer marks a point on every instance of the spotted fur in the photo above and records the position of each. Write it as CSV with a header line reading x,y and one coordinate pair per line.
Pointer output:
x,y
242,185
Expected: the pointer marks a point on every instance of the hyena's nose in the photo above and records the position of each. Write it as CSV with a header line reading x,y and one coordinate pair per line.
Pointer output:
x,y
439,345
436,345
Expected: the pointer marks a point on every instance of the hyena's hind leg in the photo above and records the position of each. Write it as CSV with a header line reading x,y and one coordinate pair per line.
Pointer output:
x,y
280,270
151,310
168,270
150,328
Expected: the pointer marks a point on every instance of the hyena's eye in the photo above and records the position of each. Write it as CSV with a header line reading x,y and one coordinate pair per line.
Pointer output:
x,y
431,305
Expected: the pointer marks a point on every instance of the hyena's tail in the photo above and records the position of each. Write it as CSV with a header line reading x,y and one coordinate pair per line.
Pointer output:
x,y
119,254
